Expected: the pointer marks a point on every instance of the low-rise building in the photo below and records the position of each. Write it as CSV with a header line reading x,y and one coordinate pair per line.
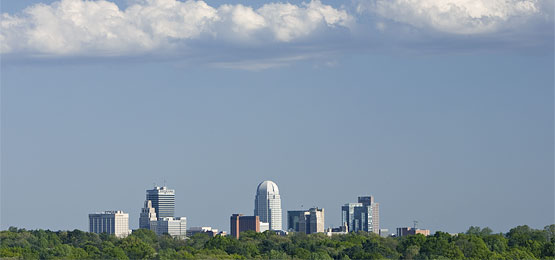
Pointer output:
x,y
202,230
174,226
342,230
264,226
240,223
405,231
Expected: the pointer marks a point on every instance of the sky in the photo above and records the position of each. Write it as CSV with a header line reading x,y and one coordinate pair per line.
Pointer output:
x,y
442,110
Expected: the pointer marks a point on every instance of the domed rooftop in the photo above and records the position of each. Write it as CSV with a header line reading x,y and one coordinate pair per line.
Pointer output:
x,y
267,187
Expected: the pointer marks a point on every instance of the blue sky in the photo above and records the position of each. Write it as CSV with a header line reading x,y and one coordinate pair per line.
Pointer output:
x,y
445,114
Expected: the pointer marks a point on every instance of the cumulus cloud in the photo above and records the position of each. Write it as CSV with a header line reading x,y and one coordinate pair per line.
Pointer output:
x,y
272,34
456,16
83,27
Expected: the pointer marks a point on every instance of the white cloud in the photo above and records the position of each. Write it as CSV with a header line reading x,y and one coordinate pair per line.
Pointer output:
x,y
455,16
289,21
274,34
81,27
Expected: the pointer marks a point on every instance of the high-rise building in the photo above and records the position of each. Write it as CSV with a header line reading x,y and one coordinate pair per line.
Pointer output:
x,y
110,222
312,222
306,221
267,204
158,213
315,221
175,227
348,216
371,214
148,214
240,223
293,219
163,201
362,216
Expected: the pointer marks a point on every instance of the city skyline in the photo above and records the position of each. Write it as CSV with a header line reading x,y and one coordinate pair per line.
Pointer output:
x,y
267,203
223,228
267,185
443,110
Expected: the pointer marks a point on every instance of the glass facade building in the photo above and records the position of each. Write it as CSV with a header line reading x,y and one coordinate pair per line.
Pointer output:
x,y
362,216
294,218
163,201
348,216
306,221
267,204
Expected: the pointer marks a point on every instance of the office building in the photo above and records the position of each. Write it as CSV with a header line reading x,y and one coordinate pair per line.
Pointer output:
x,y
405,231
110,222
148,214
267,204
371,214
212,232
293,219
163,201
314,221
240,223
309,221
362,216
174,226
384,232
342,230
348,216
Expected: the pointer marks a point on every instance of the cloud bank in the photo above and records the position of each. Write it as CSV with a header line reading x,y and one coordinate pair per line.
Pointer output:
x,y
99,28
456,16
71,27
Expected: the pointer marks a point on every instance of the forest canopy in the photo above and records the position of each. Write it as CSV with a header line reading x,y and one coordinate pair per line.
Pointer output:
x,y
521,242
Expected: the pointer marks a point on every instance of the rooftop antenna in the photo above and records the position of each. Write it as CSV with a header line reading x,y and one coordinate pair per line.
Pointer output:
x,y
415,222
164,182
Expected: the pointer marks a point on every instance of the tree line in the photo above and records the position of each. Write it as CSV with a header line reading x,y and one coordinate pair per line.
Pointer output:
x,y
521,242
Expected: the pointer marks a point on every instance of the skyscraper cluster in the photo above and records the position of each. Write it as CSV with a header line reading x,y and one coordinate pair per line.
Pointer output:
x,y
361,216
267,212
306,221
158,213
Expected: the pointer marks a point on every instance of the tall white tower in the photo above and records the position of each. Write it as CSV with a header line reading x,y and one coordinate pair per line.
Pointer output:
x,y
267,204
